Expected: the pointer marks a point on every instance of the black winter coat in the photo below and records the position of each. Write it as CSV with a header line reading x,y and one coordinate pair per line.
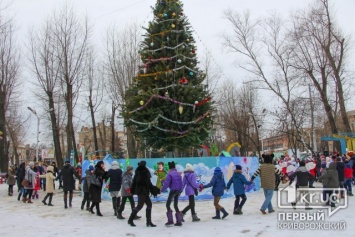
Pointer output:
x,y
20,174
67,174
115,179
95,191
340,169
141,184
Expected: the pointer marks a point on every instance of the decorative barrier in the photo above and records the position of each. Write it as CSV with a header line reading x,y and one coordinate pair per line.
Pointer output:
x,y
203,166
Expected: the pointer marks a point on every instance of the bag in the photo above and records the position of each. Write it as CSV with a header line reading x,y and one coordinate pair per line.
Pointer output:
x,y
195,189
25,183
94,180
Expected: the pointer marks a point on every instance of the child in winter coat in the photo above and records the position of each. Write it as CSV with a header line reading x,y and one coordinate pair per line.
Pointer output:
x,y
189,181
238,180
37,187
11,179
218,186
348,176
126,192
49,185
173,181
86,185
303,177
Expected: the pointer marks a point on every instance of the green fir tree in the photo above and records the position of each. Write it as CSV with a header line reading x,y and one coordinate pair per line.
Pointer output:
x,y
167,104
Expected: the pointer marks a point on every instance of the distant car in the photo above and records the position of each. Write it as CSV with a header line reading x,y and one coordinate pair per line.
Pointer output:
x,y
3,176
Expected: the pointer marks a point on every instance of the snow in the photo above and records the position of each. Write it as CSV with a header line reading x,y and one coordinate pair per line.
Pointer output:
x,y
20,219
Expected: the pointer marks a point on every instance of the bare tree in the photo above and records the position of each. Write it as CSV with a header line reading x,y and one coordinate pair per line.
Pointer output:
x,y
45,65
9,73
72,37
121,66
95,88
320,51
16,130
256,41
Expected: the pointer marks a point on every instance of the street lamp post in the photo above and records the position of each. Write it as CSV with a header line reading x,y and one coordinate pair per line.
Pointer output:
x,y
35,113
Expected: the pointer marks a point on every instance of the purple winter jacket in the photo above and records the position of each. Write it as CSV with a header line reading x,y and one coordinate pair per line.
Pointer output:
x,y
189,181
172,181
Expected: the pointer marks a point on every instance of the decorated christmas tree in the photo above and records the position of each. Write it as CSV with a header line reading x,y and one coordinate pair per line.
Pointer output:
x,y
167,105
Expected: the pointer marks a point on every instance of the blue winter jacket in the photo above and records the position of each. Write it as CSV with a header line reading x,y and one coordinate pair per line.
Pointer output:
x,y
217,183
173,181
238,180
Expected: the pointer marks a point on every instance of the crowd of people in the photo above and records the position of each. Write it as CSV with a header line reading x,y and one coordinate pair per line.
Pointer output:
x,y
334,172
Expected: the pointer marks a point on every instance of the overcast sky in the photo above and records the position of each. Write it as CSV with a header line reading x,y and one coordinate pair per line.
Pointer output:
x,y
205,16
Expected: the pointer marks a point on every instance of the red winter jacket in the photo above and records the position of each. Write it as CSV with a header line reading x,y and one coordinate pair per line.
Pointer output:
x,y
348,172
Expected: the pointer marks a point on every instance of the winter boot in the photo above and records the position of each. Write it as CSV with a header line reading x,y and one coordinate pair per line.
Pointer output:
x,y
238,211
65,201
225,214
50,200
169,215
118,203
178,216
98,213
70,199
37,195
195,218
114,205
91,208
131,218
218,214
82,205
29,201
24,200
148,213
119,215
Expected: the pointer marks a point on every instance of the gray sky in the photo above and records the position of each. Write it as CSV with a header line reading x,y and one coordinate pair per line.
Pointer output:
x,y
205,16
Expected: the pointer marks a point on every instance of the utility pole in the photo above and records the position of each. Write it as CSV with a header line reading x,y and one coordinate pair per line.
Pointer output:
x,y
38,121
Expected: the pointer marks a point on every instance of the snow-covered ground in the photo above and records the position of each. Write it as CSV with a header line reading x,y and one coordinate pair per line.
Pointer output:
x,y
19,219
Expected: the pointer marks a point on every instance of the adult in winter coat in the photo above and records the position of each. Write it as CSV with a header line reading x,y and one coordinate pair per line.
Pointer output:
x,y
303,177
115,184
267,173
218,186
126,192
331,181
11,180
190,184
142,187
348,177
30,175
67,173
238,180
20,174
95,191
86,185
49,185
173,181
340,169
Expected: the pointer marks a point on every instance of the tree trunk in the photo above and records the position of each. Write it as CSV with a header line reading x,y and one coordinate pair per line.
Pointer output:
x,y
113,128
131,144
4,158
93,124
55,131
69,127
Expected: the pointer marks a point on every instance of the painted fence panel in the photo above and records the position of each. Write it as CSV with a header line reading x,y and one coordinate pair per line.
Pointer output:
x,y
203,166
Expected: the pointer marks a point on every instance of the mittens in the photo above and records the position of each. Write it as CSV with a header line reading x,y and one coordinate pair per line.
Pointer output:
x,y
128,190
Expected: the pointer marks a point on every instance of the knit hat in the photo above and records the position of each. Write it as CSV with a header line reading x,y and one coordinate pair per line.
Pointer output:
x,y
217,170
142,163
50,168
129,168
114,165
67,162
238,167
31,164
189,167
91,168
302,163
171,165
